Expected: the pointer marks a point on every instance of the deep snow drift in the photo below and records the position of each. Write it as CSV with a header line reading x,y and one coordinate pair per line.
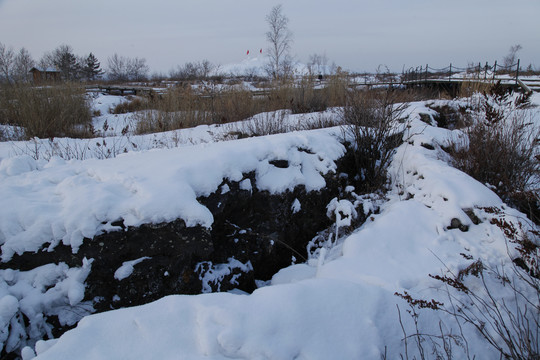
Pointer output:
x,y
340,305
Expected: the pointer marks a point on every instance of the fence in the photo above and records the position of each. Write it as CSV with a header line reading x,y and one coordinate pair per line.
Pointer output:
x,y
478,72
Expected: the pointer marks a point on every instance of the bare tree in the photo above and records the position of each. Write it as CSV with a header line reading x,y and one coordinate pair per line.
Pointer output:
x,y
206,68
137,69
22,64
7,57
117,67
47,60
510,58
317,64
193,71
280,38
126,69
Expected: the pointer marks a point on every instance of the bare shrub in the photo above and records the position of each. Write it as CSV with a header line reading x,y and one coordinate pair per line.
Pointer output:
x,y
47,112
502,145
370,119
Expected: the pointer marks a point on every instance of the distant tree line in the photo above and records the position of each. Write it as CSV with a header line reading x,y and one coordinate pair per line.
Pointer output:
x,y
15,66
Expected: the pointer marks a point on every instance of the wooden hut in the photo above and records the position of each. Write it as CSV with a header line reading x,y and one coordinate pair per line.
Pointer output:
x,y
40,75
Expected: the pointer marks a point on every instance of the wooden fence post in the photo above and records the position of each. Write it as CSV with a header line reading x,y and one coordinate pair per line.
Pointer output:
x,y
517,72
450,74
426,72
494,70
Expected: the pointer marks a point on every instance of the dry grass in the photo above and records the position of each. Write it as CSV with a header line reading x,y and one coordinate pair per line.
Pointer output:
x,y
213,104
47,112
469,88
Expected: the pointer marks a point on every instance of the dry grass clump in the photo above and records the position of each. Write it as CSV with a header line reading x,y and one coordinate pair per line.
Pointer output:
x,y
133,104
48,111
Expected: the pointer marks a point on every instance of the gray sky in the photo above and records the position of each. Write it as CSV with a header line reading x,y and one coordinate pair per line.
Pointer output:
x,y
358,35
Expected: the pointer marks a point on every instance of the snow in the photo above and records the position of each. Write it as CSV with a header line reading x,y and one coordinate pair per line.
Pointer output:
x,y
214,274
127,268
49,290
256,65
339,305
66,202
296,206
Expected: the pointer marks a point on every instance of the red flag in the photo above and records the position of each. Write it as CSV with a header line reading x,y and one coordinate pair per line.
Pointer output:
x,y
247,52
261,51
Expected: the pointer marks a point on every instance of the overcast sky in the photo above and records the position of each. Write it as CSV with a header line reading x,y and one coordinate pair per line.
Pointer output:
x,y
357,35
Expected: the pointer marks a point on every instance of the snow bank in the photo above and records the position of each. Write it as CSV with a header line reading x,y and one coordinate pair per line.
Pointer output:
x,y
303,321
70,201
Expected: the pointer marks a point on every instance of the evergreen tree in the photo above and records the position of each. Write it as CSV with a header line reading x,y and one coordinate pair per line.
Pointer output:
x,y
92,68
66,62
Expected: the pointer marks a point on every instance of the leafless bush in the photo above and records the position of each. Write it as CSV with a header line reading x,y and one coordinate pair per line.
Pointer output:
x,y
502,145
370,119
47,112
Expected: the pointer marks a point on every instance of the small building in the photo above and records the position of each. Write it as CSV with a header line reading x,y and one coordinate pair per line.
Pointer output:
x,y
40,75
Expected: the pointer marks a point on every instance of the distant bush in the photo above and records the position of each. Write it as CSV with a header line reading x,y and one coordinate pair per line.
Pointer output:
x,y
132,105
47,112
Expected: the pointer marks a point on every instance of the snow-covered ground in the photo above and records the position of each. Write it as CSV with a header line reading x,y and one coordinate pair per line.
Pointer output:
x,y
341,305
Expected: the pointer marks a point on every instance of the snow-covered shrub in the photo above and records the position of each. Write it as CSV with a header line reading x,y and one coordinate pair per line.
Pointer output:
x,y
370,120
212,275
47,111
501,147
30,301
